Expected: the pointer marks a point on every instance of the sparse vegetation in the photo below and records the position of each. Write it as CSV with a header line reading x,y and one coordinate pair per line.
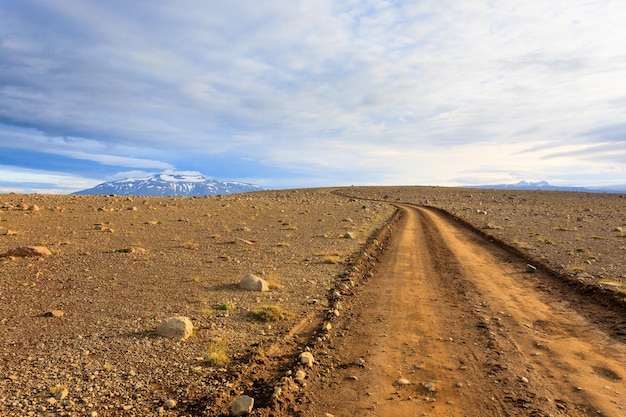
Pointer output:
x,y
54,390
190,245
270,313
331,260
217,353
227,306
273,282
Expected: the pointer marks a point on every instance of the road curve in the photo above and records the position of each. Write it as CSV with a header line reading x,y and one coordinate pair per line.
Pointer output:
x,y
471,332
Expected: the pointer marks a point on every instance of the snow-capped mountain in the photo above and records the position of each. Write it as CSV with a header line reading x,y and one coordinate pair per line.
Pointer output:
x,y
535,186
170,184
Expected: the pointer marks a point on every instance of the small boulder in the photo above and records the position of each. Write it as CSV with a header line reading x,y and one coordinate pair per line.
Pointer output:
x,y
306,358
27,251
169,404
531,268
53,313
401,382
178,327
242,405
300,377
253,283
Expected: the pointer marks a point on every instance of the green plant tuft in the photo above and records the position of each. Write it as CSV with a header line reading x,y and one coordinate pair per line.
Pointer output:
x,y
227,306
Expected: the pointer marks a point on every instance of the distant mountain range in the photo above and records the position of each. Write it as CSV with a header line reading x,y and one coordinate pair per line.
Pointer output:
x,y
170,184
545,186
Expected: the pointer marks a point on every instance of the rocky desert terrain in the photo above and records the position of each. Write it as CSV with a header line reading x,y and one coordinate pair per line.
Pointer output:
x,y
119,266
582,235
79,326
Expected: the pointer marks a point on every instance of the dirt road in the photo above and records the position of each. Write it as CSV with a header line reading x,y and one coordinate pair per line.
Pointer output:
x,y
453,325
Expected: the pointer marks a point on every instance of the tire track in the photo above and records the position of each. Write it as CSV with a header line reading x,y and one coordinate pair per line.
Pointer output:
x,y
461,320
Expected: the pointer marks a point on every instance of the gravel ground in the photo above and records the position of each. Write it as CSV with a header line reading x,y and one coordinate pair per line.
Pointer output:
x,y
581,235
119,266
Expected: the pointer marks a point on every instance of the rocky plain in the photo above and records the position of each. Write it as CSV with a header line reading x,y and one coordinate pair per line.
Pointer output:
x,y
81,326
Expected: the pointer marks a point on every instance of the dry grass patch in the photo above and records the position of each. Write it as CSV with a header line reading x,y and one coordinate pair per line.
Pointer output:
x,y
270,313
217,353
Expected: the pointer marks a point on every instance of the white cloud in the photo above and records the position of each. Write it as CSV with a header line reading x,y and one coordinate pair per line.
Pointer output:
x,y
46,180
330,90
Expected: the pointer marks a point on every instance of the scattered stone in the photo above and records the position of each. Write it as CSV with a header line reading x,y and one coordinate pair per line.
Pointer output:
x,y
430,387
253,283
300,377
62,394
523,379
169,404
178,327
359,362
531,268
242,405
401,382
127,407
618,229
306,358
240,241
27,251
349,235
53,313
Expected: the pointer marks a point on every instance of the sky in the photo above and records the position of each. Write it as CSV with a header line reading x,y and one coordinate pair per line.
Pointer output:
x,y
304,93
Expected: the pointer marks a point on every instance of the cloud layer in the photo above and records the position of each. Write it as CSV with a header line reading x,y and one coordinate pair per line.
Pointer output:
x,y
316,92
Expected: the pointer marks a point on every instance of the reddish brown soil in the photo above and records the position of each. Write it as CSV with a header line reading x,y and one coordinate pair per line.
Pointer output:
x,y
445,303
473,333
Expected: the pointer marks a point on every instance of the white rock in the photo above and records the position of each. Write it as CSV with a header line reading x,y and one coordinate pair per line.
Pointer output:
x,y
178,327
400,382
242,405
253,283
307,359
300,377
169,404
